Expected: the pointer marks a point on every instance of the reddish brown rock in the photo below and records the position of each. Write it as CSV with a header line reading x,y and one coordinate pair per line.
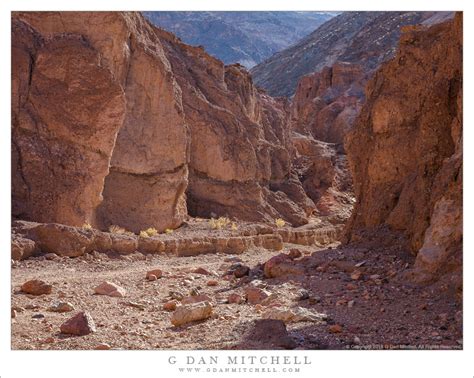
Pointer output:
x,y
22,248
255,295
110,289
106,88
62,240
80,324
170,305
405,150
266,334
239,160
36,287
282,265
335,328
326,102
235,298
158,273
66,111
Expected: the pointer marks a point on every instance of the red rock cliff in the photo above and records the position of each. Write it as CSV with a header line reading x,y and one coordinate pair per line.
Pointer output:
x,y
405,150
110,113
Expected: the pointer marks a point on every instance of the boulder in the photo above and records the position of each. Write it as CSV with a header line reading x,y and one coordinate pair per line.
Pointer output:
x,y
36,287
282,265
255,295
110,289
191,312
22,248
158,273
265,334
62,240
80,324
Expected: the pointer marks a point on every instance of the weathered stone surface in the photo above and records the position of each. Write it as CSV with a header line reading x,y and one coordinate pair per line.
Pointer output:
x,y
327,102
62,240
107,88
22,248
80,324
190,313
282,265
66,111
294,315
405,150
239,157
36,287
255,295
158,273
235,298
110,289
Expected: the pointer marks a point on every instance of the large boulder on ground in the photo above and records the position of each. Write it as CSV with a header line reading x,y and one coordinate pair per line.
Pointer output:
x,y
62,240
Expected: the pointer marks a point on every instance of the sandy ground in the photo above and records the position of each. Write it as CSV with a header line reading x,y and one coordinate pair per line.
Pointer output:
x,y
378,310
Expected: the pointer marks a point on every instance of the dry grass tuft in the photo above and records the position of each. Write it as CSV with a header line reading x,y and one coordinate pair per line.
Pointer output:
x,y
280,222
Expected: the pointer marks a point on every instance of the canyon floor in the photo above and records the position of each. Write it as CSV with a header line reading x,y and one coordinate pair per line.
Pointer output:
x,y
361,288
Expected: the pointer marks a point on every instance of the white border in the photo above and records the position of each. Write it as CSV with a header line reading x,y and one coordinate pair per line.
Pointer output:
x,y
153,363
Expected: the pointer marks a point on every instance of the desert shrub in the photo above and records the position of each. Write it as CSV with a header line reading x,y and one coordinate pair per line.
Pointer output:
x,y
233,226
149,232
86,226
217,224
280,222
169,231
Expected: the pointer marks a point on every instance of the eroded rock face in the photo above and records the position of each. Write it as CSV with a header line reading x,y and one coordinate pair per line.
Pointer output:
x,y
326,102
405,150
323,110
240,163
66,111
141,109
95,102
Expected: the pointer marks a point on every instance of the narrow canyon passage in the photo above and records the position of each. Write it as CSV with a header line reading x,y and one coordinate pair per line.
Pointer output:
x,y
161,200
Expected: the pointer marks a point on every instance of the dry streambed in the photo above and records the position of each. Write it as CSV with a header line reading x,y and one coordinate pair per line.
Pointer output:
x,y
301,297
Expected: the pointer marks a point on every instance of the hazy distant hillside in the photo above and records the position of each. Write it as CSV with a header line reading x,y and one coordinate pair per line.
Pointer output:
x,y
244,37
366,38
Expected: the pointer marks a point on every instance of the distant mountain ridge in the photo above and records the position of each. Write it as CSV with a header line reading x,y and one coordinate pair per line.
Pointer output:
x,y
247,38
365,38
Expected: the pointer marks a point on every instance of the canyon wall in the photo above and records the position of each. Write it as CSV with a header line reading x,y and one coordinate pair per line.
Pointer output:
x,y
99,117
405,150
112,117
240,163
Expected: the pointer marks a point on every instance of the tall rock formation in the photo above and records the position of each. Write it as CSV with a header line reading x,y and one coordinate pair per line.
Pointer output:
x,y
66,111
83,77
110,113
240,163
405,150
